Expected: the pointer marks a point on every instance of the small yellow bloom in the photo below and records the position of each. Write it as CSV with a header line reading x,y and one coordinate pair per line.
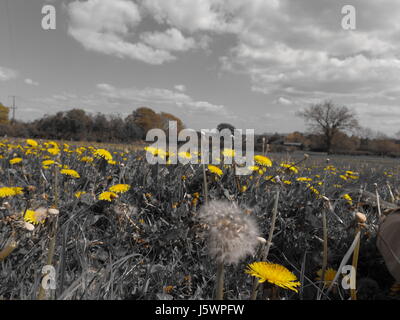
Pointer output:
x,y
185,155
263,161
103,153
228,153
304,179
273,273
215,170
47,163
79,194
348,198
329,275
87,159
10,191
34,217
32,143
290,167
15,160
120,188
70,172
53,151
108,196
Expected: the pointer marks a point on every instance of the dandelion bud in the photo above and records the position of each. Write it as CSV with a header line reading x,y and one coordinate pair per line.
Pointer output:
x,y
261,240
53,211
232,234
29,226
360,217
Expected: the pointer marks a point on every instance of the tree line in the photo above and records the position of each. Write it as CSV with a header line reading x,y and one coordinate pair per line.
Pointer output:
x,y
77,125
332,128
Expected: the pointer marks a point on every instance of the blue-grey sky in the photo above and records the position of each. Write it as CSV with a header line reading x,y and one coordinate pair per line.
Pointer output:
x,y
251,63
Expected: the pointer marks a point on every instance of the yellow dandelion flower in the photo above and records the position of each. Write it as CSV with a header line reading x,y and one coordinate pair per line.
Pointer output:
x,y
215,170
273,273
87,159
243,188
53,151
229,153
314,190
304,179
34,217
253,168
103,153
120,188
348,198
79,194
263,161
157,152
70,172
47,163
10,191
287,182
32,143
80,150
330,274
108,196
185,155
343,177
289,167
15,160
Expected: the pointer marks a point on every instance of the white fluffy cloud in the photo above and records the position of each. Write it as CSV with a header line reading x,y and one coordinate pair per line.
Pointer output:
x,y
157,96
180,87
105,26
7,74
170,40
30,82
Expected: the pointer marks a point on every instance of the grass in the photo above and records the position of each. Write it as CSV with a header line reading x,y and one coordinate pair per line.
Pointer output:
x,y
148,243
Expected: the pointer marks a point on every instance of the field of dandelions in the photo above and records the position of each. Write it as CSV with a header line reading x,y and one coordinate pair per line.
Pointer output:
x,y
116,227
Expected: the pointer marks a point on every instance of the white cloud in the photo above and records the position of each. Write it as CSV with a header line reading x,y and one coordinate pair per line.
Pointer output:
x,y
105,26
7,74
284,101
170,40
31,82
194,15
180,87
157,96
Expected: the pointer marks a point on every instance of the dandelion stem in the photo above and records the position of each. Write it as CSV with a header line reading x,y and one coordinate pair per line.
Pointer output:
x,y
219,292
8,249
264,253
356,252
205,184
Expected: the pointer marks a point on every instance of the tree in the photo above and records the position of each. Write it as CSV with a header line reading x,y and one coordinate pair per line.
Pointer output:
x,y
147,119
167,117
328,119
228,126
4,111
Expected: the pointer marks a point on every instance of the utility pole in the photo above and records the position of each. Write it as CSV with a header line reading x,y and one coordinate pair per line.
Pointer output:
x,y
13,108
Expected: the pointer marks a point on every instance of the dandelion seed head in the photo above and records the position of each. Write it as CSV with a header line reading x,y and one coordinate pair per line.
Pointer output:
x,y
232,234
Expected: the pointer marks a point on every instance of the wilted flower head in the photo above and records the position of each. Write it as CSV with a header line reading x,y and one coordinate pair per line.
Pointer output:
x,y
232,235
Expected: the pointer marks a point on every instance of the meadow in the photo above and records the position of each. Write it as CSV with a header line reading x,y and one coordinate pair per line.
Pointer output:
x,y
115,227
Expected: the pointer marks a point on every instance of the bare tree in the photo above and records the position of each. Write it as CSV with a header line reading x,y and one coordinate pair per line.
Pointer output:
x,y
328,119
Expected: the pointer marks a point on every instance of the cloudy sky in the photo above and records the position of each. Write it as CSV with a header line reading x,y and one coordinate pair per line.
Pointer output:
x,y
251,63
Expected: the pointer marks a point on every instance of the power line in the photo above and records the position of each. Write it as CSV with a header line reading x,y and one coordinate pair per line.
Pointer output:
x,y
13,108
